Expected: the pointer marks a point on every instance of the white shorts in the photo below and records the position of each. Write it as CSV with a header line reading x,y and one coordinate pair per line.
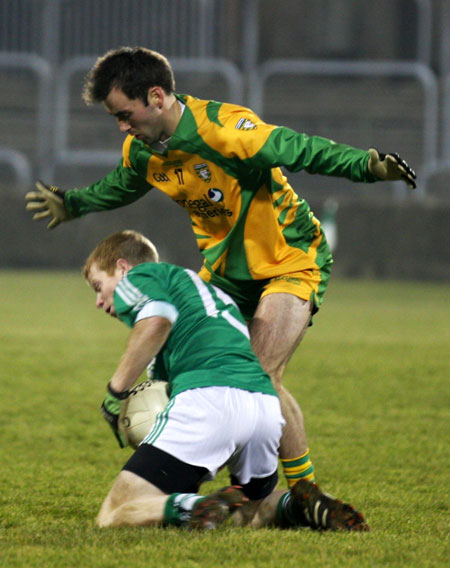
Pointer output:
x,y
212,427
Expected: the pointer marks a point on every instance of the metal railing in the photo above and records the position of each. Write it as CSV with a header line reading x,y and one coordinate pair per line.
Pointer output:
x,y
417,71
41,69
52,40
61,29
19,164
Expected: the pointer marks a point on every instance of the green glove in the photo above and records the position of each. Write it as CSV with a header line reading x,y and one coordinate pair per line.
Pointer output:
x,y
48,201
390,167
111,411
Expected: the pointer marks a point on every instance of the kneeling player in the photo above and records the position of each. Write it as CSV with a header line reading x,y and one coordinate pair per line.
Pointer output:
x,y
223,409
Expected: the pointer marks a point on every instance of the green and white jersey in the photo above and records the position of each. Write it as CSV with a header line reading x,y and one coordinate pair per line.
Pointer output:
x,y
209,342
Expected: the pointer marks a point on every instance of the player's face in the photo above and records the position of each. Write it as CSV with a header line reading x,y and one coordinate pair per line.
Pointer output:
x,y
104,285
145,122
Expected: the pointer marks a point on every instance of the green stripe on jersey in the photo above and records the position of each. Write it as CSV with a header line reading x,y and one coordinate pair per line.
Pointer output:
x,y
212,112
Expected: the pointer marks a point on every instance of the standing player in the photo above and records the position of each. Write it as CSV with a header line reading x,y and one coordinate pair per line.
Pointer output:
x,y
221,162
223,409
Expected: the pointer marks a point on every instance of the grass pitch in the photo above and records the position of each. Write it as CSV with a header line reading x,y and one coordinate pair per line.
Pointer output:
x,y
371,375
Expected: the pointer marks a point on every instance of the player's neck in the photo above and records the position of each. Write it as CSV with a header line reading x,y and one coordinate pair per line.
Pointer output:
x,y
173,112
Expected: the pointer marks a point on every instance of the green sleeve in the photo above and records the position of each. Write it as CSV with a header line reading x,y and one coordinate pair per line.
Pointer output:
x,y
120,187
314,154
144,283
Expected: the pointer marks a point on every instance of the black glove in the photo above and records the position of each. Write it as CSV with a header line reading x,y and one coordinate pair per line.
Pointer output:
x,y
390,167
111,411
48,201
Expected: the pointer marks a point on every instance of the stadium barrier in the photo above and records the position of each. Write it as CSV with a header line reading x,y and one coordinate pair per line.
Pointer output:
x,y
375,239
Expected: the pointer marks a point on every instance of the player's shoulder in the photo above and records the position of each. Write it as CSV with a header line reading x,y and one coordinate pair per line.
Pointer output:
x,y
129,151
235,117
144,280
222,114
150,269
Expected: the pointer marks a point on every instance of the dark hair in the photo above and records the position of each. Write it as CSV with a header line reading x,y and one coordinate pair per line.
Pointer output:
x,y
133,70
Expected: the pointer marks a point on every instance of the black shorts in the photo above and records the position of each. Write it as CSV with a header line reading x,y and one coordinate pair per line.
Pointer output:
x,y
172,475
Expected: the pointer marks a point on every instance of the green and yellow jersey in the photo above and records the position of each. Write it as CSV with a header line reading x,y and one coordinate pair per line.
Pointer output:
x,y
223,165
209,342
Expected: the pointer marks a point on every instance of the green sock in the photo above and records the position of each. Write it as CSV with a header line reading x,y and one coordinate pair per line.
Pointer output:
x,y
178,508
289,514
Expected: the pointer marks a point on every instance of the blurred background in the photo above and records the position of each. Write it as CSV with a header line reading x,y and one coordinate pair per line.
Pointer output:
x,y
359,72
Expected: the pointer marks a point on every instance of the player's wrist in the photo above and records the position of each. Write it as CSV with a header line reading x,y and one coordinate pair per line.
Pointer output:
x,y
120,395
110,409
56,190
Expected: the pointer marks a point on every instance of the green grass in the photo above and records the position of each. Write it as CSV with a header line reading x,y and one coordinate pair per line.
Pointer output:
x,y
371,376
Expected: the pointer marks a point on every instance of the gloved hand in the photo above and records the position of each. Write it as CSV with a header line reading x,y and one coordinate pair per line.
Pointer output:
x,y
48,201
390,167
111,411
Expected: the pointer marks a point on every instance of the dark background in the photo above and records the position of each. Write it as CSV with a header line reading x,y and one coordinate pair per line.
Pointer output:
x,y
378,75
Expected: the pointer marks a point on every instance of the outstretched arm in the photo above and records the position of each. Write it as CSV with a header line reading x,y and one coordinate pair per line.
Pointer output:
x,y
391,167
47,201
281,146
120,187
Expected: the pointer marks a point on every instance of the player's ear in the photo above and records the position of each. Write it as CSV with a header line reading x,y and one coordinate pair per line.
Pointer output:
x,y
155,97
123,265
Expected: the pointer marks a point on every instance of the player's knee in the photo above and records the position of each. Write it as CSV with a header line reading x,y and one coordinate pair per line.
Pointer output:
x,y
113,516
273,365
104,518
107,516
276,376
